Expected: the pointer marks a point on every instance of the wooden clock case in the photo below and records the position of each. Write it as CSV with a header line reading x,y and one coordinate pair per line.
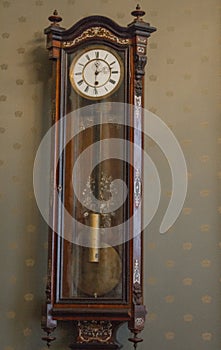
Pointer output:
x,y
97,322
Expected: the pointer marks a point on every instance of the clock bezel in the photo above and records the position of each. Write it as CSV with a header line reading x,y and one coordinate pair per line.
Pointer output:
x,y
81,53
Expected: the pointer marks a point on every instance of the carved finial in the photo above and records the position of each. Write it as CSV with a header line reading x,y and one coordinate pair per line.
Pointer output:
x,y
135,340
138,13
48,338
55,18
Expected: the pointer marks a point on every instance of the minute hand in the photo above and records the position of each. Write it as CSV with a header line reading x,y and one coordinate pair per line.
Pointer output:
x,y
96,74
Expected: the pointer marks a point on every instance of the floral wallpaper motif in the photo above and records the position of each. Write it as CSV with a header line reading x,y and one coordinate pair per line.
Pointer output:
x,y
182,267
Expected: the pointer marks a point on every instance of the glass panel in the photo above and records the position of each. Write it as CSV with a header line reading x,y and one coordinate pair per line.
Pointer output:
x,y
94,269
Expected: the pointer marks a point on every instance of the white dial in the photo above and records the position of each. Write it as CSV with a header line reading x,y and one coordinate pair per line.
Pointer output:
x,y
96,73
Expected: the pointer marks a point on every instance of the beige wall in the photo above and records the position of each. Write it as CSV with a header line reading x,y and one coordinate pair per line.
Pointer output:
x,y
182,267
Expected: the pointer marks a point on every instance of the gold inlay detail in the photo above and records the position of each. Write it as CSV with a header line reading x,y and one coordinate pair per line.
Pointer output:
x,y
97,32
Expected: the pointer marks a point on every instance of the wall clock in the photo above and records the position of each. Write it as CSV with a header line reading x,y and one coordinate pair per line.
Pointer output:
x,y
95,277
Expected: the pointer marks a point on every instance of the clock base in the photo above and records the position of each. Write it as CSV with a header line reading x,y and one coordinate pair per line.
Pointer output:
x,y
95,346
97,335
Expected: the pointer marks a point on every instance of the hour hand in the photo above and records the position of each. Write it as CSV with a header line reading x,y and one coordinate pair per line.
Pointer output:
x,y
96,74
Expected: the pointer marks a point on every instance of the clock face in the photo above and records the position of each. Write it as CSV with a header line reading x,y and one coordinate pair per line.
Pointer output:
x,y
96,73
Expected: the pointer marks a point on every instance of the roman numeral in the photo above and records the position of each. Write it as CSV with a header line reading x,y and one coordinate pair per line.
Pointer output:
x,y
106,56
80,73
114,72
95,91
112,81
112,63
80,82
80,64
97,54
88,57
86,89
106,88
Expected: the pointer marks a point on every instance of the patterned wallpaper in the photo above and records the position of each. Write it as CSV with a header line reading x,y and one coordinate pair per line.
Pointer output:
x,y
182,267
